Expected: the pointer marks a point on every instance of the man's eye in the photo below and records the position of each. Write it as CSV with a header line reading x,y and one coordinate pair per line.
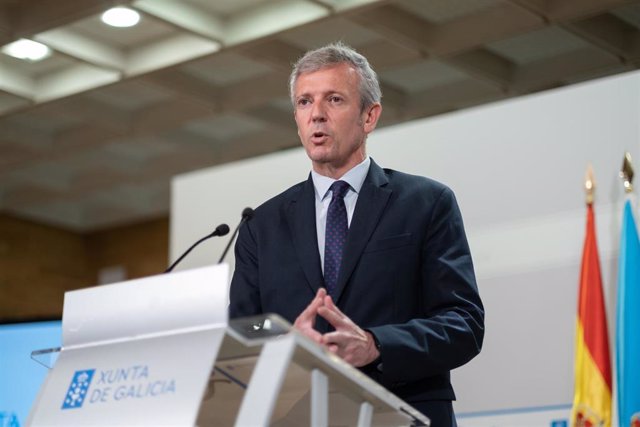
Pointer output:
x,y
335,99
303,102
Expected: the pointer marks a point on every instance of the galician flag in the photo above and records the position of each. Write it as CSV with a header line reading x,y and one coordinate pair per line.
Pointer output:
x,y
628,319
592,395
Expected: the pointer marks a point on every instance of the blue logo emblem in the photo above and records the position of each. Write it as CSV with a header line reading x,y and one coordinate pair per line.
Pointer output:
x,y
78,389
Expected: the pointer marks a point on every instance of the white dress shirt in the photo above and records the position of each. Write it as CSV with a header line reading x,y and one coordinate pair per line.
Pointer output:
x,y
355,178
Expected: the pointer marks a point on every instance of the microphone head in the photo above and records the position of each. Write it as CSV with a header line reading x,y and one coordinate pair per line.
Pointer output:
x,y
222,230
247,214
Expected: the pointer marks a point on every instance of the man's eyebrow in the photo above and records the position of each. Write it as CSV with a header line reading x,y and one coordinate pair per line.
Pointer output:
x,y
325,93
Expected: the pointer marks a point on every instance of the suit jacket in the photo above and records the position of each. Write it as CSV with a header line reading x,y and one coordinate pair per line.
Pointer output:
x,y
406,276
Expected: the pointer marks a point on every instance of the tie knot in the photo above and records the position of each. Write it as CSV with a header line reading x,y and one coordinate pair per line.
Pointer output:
x,y
339,189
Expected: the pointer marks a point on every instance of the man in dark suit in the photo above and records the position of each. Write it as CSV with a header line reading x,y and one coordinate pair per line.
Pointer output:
x,y
371,263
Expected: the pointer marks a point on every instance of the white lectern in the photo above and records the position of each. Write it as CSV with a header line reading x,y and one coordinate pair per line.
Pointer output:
x,y
160,351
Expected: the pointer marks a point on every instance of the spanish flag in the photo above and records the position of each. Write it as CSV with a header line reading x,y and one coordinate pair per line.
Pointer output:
x,y
592,395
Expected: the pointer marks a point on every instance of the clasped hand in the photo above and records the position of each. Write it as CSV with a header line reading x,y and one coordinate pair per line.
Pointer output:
x,y
353,344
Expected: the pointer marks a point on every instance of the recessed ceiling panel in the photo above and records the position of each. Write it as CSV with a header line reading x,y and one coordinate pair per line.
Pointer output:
x,y
148,30
140,149
422,75
56,62
9,102
441,11
41,121
67,214
116,206
387,54
13,155
537,45
226,127
129,95
142,197
50,175
629,14
225,69
228,8
328,31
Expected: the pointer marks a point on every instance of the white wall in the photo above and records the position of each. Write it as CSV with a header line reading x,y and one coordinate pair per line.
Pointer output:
x,y
517,168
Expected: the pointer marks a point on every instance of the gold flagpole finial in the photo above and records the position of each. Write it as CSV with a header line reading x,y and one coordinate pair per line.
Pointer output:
x,y
589,184
626,173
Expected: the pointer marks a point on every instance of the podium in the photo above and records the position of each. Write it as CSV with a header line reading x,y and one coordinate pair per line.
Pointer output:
x,y
161,351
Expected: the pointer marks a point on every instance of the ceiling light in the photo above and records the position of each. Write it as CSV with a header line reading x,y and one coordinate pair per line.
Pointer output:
x,y
27,50
121,17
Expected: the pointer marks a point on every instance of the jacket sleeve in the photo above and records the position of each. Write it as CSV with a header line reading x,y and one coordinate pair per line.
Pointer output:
x,y
450,331
244,294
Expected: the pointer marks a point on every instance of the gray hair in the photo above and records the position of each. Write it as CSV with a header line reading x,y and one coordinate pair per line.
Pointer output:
x,y
339,53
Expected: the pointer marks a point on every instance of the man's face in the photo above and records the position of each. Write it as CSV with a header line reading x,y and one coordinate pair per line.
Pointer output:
x,y
331,125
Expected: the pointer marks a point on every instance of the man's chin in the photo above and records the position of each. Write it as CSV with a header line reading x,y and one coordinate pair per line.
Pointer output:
x,y
318,155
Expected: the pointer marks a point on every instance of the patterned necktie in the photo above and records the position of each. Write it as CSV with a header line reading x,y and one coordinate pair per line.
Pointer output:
x,y
335,234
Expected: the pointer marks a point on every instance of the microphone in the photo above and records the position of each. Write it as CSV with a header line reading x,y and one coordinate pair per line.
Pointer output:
x,y
247,214
221,230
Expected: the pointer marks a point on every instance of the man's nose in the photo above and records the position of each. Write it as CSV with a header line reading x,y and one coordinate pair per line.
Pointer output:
x,y
318,113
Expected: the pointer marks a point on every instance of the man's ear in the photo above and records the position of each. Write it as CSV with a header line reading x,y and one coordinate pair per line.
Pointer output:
x,y
371,116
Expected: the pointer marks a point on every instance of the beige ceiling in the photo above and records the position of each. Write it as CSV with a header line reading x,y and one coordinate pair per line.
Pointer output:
x,y
90,137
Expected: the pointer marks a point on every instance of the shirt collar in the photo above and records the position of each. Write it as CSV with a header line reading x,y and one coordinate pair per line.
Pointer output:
x,y
354,177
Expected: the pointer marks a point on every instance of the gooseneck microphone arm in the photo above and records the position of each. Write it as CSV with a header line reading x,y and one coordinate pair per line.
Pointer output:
x,y
220,230
247,214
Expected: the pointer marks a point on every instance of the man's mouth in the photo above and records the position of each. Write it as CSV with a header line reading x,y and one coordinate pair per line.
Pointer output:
x,y
319,137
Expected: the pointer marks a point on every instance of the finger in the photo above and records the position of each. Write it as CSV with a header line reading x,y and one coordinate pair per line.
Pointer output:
x,y
328,301
309,313
311,333
305,318
317,301
335,319
335,337
333,348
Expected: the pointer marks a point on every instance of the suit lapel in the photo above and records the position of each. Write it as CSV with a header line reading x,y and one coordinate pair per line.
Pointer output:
x,y
301,216
371,203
